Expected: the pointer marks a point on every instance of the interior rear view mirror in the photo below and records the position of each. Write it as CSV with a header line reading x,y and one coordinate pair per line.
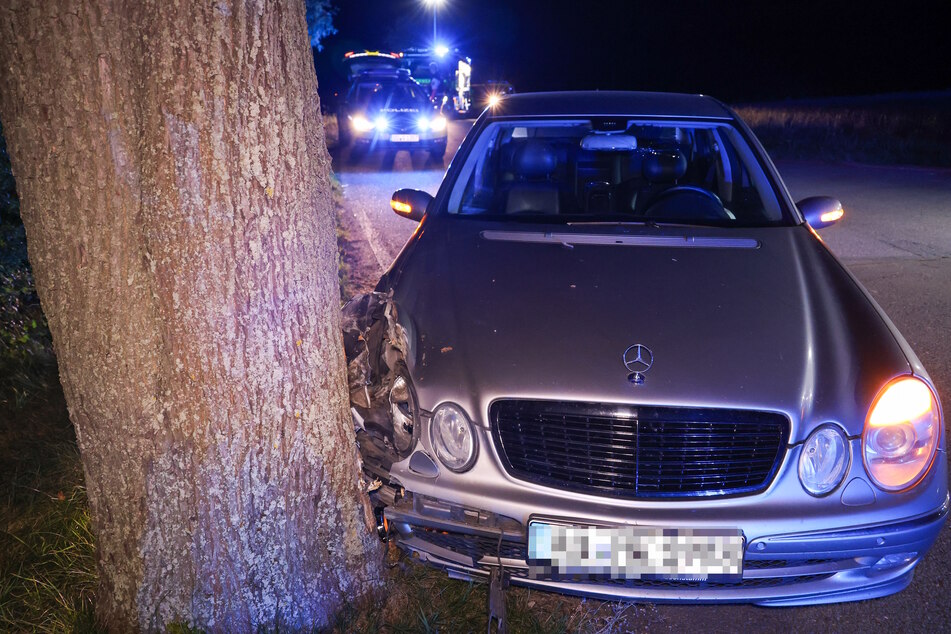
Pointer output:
x,y
609,143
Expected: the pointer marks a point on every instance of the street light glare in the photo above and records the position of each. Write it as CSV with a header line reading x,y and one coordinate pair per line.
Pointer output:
x,y
435,4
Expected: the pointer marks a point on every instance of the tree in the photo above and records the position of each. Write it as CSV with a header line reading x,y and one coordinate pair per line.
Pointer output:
x,y
320,16
174,186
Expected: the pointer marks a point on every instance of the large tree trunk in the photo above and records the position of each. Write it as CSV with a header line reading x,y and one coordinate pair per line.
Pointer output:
x,y
174,183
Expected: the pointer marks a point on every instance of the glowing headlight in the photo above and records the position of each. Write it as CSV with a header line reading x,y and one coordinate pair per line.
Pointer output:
x,y
901,433
451,434
438,124
422,123
381,123
824,460
361,123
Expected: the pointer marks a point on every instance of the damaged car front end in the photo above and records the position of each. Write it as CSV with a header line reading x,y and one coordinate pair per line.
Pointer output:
x,y
616,360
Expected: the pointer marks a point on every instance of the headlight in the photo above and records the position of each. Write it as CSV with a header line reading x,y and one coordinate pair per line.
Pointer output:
x,y
381,123
361,123
901,433
438,124
422,123
824,460
451,434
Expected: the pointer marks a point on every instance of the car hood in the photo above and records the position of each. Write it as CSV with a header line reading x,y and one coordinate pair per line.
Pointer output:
x,y
766,320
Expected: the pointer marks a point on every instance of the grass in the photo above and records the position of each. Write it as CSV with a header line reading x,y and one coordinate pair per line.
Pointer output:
x,y
899,129
422,599
47,549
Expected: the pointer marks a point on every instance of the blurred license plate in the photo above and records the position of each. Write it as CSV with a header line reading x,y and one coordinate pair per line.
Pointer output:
x,y
557,551
404,138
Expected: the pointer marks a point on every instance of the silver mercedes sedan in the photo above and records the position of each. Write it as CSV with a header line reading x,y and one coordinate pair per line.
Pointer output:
x,y
616,359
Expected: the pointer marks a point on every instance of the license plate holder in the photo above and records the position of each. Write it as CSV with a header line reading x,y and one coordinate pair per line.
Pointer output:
x,y
576,551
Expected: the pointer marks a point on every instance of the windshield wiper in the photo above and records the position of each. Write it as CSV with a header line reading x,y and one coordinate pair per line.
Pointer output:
x,y
641,223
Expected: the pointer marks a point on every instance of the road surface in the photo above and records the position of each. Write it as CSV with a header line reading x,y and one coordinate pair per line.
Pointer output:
x,y
896,238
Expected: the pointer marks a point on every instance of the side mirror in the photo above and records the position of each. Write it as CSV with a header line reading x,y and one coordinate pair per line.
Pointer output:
x,y
411,203
821,211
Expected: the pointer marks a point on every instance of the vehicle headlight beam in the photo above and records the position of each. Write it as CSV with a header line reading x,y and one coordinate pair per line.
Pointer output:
x,y
361,123
901,434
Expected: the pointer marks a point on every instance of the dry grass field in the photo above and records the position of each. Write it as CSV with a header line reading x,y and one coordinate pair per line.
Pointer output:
x,y
887,129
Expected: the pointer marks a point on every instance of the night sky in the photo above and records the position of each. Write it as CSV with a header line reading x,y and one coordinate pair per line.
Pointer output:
x,y
738,51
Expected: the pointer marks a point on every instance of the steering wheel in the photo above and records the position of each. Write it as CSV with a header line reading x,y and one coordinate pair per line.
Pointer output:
x,y
675,204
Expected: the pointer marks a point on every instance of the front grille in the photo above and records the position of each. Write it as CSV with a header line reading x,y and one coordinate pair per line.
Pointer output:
x,y
639,452
767,564
475,546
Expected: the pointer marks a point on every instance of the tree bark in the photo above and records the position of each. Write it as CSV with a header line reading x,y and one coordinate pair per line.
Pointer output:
x,y
174,185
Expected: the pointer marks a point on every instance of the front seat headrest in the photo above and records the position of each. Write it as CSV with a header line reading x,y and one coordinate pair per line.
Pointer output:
x,y
535,159
664,166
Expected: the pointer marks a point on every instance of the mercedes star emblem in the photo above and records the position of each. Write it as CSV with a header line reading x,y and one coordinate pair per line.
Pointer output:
x,y
638,359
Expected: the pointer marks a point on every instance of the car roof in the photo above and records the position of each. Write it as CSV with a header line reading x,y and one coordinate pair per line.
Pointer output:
x,y
605,103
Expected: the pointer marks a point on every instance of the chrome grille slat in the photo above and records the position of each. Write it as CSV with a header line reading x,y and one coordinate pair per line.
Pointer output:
x,y
638,452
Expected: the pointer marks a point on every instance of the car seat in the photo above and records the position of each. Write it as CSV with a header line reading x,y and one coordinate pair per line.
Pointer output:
x,y
661,169
533,190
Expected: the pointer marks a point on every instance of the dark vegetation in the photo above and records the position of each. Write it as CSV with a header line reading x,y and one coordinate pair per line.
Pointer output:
x,y
47,550
898,129
25,344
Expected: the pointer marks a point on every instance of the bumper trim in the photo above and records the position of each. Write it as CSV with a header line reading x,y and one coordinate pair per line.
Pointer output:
x,y
871,541
825,589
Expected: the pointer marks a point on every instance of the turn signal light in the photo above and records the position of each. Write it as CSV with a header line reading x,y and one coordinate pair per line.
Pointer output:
x,y
832,216
401,208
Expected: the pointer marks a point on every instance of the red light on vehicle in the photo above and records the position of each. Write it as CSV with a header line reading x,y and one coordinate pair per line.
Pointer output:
x,y
350,54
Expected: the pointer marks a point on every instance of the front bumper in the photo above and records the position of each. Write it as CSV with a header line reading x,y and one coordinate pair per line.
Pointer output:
x,y
791,569
799,550
426,141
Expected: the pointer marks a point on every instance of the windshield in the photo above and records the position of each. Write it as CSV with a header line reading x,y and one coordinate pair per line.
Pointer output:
x,y
396,95
614,170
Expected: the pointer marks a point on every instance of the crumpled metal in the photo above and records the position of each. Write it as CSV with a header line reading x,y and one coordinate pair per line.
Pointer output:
x,y
375,345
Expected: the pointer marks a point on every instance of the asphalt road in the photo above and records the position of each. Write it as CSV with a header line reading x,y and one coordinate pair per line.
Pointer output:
x,y
896,238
